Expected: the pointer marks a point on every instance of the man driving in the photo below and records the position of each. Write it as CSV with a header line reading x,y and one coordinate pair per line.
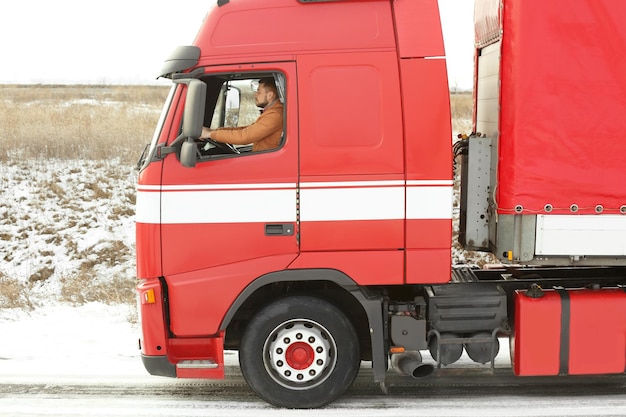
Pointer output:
x,y
265,133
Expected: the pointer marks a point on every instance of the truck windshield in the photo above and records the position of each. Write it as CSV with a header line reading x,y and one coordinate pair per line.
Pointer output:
x,y
157,132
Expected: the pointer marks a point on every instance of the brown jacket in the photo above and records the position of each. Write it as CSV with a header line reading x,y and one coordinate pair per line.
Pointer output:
x,y
264,134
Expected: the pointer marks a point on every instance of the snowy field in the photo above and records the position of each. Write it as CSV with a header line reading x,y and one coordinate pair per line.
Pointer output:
x,y
67,232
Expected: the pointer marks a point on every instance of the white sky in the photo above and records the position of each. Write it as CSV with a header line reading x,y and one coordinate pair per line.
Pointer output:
x,y
126,41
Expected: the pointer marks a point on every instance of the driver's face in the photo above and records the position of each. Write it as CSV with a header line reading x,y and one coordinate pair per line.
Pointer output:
x,y
263,96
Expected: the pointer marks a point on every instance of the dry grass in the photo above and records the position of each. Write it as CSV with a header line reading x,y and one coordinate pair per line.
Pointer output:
x,y
78,122
461,105
15,294
81,288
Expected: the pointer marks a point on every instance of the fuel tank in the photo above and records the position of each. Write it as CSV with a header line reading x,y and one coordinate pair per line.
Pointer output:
x,y
569,332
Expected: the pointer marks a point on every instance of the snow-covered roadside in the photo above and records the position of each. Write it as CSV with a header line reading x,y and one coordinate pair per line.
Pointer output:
x,y
66,229
65,341
67,268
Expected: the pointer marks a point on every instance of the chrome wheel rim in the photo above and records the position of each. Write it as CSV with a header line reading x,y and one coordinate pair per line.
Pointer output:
x,y
300,354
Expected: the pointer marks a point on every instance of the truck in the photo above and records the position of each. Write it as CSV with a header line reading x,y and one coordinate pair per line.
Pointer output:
x,y
333,250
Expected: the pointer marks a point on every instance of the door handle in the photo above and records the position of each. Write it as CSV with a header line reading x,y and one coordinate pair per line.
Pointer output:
x,y
279,229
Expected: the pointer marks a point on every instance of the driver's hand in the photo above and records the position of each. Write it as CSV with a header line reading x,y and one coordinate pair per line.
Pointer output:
x,y
206,133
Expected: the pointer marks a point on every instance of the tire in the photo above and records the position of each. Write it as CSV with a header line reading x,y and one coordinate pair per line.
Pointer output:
x,y
299,352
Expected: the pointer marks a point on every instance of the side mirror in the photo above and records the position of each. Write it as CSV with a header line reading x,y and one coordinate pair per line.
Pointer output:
x,y
193,118
194,109
188,155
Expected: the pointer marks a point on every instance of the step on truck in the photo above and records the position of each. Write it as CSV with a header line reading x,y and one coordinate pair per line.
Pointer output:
x,y
335,247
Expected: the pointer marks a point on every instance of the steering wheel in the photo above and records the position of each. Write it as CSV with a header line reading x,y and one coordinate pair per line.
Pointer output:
x,y
223,146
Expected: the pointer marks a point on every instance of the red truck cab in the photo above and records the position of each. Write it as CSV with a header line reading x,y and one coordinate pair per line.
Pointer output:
x,y
345,200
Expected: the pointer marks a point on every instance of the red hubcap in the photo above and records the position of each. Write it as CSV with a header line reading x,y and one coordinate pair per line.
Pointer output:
x,y
299,355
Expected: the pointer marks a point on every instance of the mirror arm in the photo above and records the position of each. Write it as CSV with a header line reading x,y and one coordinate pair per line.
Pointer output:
x,y
162,150
176,141
178,77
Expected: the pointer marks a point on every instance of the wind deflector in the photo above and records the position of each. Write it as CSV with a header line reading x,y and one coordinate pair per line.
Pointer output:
x,y
182,58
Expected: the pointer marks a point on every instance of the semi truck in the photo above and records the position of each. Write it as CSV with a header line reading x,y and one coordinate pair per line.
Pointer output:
x,y
333,249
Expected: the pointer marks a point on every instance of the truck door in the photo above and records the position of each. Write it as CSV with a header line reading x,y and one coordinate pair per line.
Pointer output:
x,y
352,197
232,217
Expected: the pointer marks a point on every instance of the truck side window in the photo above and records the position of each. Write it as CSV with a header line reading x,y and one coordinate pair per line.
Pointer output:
x,y
244,111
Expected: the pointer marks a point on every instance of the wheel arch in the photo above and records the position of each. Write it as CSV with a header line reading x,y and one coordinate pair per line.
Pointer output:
x,y
363,309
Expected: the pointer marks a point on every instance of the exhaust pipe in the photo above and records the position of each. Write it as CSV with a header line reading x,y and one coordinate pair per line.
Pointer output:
x,y
410,363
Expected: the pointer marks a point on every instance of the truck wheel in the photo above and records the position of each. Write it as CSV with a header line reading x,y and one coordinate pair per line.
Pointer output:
x,y
299,352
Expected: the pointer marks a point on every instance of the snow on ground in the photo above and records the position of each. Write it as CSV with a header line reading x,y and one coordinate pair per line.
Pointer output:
x,y
65,224
62,340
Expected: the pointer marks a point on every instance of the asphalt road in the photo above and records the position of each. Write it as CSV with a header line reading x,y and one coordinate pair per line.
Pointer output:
x,y
465,392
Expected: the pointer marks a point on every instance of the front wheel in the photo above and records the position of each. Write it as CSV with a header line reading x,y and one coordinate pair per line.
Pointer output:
x,y
299,352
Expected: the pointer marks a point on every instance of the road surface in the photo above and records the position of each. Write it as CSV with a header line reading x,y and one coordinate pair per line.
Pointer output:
x,y
464,392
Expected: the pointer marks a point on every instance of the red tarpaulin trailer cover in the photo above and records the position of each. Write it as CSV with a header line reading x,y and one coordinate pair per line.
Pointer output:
x,y
562,101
